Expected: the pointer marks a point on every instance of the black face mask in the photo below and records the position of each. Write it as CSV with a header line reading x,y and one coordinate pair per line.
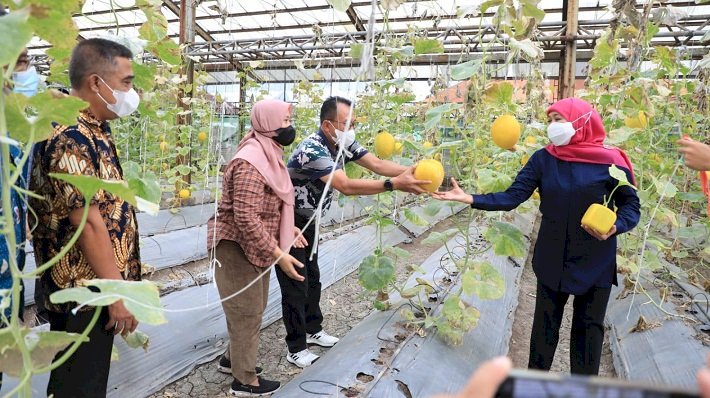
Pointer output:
x,y
285,135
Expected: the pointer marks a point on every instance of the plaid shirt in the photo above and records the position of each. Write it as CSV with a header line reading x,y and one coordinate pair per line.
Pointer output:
x,y
248,213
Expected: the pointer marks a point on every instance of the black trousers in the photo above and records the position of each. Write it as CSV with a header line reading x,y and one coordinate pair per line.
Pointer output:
x,y
300,301
587,334
85,373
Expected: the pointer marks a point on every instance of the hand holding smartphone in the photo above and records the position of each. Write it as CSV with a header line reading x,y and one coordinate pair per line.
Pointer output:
x,y
537,384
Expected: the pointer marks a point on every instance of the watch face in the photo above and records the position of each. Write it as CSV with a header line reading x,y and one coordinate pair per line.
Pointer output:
x,y
388,185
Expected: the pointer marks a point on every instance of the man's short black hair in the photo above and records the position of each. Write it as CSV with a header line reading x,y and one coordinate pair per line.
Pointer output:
x,y
94,56
329,110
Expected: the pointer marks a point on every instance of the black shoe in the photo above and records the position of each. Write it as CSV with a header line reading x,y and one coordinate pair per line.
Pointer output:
x,y
225,366
265,387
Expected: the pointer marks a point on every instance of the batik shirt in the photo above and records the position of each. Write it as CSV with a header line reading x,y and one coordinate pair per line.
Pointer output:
x,y
18,203
313,159
83,149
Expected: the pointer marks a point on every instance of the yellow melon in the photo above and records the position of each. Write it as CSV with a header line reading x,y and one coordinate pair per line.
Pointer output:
x,y
163,146
398,148
384,145
530,140
505,131
184,193
202,136
599,218
427,145
430,170
637,122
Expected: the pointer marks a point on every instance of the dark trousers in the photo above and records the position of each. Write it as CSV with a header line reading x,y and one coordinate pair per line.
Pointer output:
x,y
85,373
587,334
300,301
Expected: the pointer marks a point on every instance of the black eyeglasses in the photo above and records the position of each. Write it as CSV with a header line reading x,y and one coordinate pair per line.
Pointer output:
x,y
353,123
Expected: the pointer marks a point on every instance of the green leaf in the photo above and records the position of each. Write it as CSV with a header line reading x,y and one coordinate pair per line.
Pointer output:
x,y
665,188
411,292
183,169
507,240
144,76
452,308
89,186
433,115
499,94
16,33
357,50
340,5
142,299
397,252
45,108
695,197
619,175
376,272
435,238
428,46
137,339
433,207
353,171
43,347
488,4
484,281
530,49
531,10
52,21
492,181
604,52
414,218
466,69
620,135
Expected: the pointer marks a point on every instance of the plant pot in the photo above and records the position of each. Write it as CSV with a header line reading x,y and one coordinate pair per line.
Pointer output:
x,y
599,218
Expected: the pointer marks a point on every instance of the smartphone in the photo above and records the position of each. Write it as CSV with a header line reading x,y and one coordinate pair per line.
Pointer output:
x,y
538,384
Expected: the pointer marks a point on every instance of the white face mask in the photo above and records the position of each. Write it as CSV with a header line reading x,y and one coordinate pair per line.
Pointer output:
x,y
561,133
345,138
126,101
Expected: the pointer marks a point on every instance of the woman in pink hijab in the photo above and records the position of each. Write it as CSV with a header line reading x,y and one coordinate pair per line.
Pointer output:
x,y
571,173
252,230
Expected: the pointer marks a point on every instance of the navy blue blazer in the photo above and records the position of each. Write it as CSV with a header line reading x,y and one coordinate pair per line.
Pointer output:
x,y
566,257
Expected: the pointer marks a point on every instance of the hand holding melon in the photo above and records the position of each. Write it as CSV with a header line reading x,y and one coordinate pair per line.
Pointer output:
x,y
430,170
599,219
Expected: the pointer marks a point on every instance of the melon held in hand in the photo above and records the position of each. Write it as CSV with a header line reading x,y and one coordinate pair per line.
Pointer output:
x,y
430,170
599,218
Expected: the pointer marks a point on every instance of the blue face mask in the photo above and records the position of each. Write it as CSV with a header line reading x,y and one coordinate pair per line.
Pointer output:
x,y
26,82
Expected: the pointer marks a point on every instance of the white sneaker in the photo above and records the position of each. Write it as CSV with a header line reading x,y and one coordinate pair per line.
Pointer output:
x,y
302,359
322,339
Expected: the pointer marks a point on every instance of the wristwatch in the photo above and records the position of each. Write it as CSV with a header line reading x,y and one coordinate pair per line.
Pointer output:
x,y
388,185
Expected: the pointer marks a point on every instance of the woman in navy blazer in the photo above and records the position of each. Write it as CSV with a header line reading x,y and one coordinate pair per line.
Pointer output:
x,y
571,173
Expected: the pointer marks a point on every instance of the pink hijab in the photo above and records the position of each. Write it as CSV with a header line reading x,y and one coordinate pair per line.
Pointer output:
x,y
261,151
587,145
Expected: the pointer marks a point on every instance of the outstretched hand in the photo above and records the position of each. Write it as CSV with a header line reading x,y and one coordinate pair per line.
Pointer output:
x,y
455,194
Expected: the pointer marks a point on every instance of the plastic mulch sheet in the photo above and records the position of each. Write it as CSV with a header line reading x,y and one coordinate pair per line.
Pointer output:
x,y
178,346
661,349
380,358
